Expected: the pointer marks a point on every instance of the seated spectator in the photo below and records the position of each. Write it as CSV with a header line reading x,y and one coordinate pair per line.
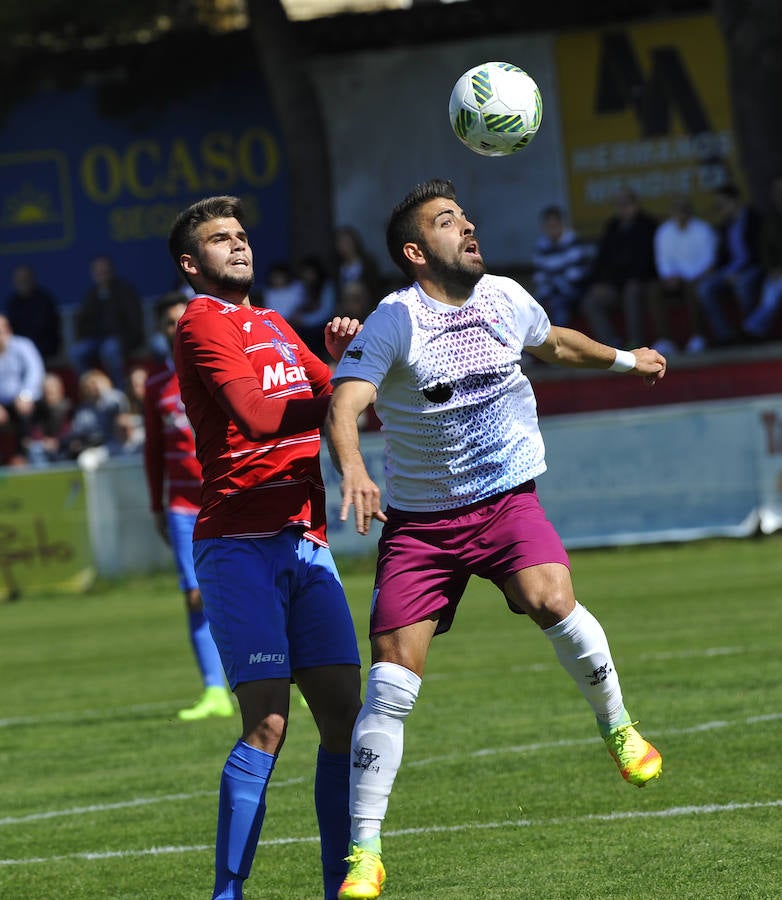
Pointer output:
x,y
96,413
109,323
137,383
33,313
282,291
760,322
128,435
21,385
50,423
355,263
737,274
622,274
319,304
356,302
685,248
561,263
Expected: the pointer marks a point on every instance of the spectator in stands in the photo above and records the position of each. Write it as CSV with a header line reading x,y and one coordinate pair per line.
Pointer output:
x,y
355,263
282,291
33,313
760,322
685,248
128,434
737,274
94,419
320,300
355,301
561,263
109,324
622,274
137,383
21,385
50,423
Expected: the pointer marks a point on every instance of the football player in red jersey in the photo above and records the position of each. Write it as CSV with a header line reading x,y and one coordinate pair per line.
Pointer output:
x,y
256,397
170,461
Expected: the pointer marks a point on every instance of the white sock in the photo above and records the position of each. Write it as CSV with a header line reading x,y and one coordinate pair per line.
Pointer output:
x,y
376,750
582,649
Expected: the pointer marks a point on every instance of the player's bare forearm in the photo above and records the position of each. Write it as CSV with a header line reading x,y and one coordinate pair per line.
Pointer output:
x,y
349,400
573,349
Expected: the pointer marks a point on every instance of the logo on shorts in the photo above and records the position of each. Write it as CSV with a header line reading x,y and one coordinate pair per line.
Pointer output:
x,y
278,658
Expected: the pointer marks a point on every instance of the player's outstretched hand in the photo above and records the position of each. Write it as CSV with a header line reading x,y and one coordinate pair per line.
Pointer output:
x,y
649,364
359,491
339,332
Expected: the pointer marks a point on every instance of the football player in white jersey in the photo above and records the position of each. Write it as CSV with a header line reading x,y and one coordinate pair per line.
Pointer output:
x,y
441,361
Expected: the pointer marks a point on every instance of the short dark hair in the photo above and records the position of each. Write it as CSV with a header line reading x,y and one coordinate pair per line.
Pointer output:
x,y
169,299
552,212
728,190
182,236
404,226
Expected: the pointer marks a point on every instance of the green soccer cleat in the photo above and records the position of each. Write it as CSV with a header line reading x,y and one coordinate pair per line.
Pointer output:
x,y
638,761
366,875
215,701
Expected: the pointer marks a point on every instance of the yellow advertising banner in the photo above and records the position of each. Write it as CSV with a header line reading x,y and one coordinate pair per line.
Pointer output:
x,y
645,106
44,538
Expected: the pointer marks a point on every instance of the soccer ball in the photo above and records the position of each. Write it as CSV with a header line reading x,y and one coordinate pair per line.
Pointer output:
x,y
495,109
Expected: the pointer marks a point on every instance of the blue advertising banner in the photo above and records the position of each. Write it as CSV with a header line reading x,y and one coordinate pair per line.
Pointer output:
x,y
75,183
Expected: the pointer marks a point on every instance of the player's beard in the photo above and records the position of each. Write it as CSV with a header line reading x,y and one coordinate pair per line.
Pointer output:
x,y
457,275
231,280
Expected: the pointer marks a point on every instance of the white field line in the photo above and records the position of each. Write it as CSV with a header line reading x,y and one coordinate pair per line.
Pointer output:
x,y
624,815
76,716
125,804
517,749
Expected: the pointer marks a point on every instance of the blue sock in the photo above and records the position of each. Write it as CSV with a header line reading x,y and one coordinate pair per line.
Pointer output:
x,y
332,789
242,808
205,650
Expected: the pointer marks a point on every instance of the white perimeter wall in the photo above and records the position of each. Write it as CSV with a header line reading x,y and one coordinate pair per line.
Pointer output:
x,y
668,474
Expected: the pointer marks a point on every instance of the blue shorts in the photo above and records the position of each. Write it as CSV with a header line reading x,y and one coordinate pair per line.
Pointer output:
x,y
274,605
180,533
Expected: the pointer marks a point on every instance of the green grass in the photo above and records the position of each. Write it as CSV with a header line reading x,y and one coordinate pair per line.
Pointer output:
x,y
505,790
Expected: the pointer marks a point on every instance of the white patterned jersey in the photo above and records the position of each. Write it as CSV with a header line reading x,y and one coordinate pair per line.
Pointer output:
x,y
458,414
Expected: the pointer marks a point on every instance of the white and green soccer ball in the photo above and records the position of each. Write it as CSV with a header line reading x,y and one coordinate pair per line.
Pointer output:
x,y
495,109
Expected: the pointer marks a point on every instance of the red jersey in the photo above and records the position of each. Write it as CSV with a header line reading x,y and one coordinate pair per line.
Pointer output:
x,y
251,489
169,448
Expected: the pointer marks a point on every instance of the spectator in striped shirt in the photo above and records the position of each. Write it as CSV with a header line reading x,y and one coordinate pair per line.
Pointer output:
x,y
561,263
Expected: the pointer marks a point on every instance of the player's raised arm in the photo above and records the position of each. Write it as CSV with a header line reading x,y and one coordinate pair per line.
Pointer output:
x,y
573,349
350,398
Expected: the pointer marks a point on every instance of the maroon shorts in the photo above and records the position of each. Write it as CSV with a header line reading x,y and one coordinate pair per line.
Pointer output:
x,y
426,559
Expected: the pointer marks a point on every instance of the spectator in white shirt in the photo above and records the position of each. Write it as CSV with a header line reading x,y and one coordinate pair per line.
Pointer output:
x,y
685,248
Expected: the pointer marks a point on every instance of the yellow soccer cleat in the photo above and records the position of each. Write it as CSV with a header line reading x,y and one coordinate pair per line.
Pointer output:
x,y
366,875
638,761
215,701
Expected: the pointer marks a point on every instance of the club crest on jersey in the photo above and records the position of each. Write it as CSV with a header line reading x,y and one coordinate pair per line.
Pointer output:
x,y
279,343
285,350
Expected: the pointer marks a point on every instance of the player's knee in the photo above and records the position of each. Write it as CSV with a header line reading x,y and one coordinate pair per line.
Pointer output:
x,y
391,690
267,733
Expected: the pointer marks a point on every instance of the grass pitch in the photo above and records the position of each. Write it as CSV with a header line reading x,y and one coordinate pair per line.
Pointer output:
x,y
505,790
